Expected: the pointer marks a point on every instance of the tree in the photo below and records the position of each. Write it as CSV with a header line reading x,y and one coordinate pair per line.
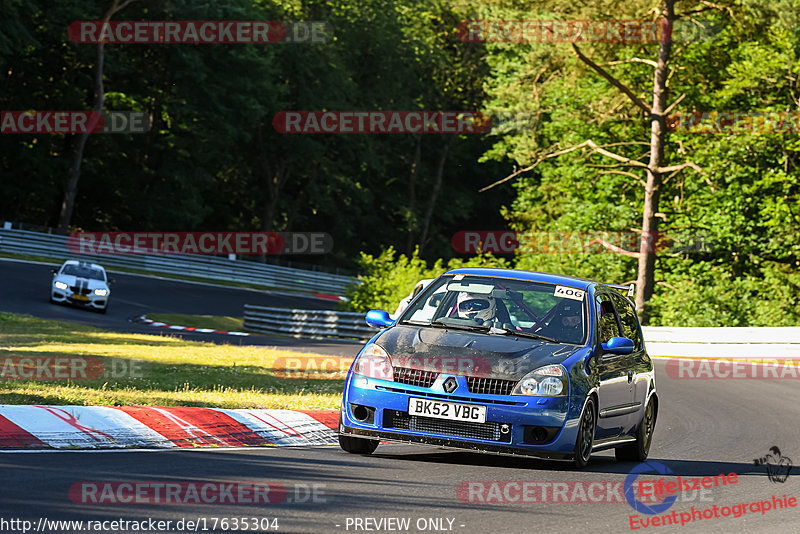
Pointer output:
x,y
655,169
68,204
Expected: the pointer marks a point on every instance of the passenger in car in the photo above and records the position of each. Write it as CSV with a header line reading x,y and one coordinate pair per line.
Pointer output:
x,y
567,325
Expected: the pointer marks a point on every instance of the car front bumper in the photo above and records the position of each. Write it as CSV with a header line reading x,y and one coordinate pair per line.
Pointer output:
x,y
515,424
87,301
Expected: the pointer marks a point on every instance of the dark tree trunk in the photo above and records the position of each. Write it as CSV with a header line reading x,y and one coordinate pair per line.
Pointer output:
x,y
645,281
68,202
437,186
302,197
412,197
274,176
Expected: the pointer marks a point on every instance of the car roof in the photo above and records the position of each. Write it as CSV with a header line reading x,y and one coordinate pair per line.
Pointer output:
x,y
532,276
84,264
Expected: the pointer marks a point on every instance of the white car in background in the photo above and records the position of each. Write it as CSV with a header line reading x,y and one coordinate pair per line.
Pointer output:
x,y
80,283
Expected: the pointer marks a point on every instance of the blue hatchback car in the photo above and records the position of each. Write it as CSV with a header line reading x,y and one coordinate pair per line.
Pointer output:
x,y
506,361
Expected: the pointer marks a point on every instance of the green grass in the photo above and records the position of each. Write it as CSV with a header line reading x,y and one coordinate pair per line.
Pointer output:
x,y
29,257
217,322
168,371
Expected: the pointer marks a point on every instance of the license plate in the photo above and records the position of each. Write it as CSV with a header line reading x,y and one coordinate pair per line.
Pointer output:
x,y
80,297
447,410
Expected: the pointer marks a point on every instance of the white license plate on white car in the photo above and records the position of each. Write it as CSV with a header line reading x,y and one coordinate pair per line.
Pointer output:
x,y
447,410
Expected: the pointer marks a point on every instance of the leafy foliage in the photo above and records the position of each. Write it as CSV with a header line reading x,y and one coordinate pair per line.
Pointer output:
x,y
731,230
213,161
389,277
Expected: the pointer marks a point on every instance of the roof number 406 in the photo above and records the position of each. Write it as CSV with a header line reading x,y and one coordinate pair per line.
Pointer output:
x,y
569,293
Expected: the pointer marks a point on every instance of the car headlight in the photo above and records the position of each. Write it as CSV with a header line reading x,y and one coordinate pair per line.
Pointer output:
x,y
60,285
374,362
100,292
547,381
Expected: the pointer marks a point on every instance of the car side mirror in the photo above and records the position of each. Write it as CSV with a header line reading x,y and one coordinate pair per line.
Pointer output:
x,y
111,281
378,319
618,345
54,271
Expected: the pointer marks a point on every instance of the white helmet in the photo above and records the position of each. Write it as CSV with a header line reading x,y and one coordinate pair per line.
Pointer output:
x,y
474,306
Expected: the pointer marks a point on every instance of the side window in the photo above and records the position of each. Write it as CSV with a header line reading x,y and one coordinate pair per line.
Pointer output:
x,y
630,326
606,320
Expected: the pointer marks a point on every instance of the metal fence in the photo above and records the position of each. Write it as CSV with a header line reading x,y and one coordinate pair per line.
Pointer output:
x,y
779,342
208,267
307,324
723,342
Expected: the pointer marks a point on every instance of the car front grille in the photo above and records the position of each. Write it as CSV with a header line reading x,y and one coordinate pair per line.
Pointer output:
x,y
490,386
76,290
463,429
453,398
415,377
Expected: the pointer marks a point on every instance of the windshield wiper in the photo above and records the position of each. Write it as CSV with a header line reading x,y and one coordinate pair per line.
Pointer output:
x,y
435,324
475,328
507,332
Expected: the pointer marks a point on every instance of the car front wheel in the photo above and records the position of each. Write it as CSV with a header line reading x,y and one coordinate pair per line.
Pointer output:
x,y
638,450
358,445
585,439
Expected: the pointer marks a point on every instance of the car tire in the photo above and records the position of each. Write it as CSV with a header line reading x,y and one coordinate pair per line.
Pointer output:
x,y
358,445
585,438
638,450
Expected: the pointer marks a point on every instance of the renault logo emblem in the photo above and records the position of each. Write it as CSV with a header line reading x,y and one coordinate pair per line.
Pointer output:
x,y
450,385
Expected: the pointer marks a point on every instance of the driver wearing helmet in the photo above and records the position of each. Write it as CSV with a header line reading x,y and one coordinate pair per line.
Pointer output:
x,y
480,308
567,325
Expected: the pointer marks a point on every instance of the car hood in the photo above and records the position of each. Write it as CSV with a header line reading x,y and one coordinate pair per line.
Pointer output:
x,y
71,280
467,353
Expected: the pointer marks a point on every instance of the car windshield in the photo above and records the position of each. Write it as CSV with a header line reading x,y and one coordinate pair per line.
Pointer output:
x,y
502,306
83,272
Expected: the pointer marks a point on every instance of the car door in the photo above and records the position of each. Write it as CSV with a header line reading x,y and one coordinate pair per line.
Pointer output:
x,y
639,366
614,395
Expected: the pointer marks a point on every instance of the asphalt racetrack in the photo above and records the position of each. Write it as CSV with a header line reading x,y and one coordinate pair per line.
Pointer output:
x,y
26,286
705,428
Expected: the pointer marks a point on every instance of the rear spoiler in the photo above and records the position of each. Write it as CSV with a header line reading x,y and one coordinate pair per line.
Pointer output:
x,y
629,288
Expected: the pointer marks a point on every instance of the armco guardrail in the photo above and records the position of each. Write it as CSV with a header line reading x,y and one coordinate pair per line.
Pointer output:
x,y
712,342
308,324
728,342
209,267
